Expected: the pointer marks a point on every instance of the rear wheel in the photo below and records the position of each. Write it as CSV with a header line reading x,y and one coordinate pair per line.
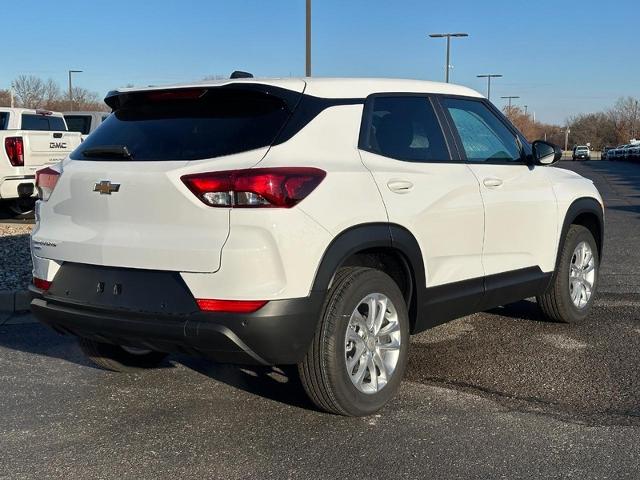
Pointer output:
x,y
359,353
570,296
120,358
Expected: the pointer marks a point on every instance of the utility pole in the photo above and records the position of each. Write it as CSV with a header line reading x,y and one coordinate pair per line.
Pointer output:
x,y
489,76
11,95
308,42
71,88
448,36
526,109
510,97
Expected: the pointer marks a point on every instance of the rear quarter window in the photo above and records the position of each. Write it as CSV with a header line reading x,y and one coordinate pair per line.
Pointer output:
x,y
219,122
43,123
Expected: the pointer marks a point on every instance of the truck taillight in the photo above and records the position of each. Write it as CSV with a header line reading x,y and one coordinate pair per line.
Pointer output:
x,y
15,150
46,180
281,187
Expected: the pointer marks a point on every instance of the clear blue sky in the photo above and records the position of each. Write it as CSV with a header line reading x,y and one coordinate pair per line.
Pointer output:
x,y
562,57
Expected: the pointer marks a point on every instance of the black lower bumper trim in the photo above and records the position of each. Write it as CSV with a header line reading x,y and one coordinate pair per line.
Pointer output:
x,y
277,334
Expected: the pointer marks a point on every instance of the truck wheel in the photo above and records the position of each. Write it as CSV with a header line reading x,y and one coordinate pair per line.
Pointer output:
x,y
120,359
358,356
22,208
570,295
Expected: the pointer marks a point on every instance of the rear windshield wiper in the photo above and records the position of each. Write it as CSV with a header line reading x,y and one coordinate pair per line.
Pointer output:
x,y
108,151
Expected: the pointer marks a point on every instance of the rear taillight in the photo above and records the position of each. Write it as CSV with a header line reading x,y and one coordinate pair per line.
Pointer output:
x,y
230,306
15,150
46,180
281,187
41,284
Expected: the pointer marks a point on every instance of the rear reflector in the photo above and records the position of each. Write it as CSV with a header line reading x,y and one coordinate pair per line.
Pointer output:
x,y
15,150
41,284
281,187
230,306
46,180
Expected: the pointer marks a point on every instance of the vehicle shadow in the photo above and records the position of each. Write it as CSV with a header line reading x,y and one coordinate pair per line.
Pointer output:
x,y
281,384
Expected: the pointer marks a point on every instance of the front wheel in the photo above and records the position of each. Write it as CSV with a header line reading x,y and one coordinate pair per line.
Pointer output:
x,y
120,358
570,295
358,356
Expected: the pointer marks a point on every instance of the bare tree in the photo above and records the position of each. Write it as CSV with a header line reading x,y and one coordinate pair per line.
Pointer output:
x,y
625,115
5,98
30,91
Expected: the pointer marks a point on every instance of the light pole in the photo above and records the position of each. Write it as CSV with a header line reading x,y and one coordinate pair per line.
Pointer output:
x,y
71,88
510,97
566,138
448,37
526,109
308,42
489,76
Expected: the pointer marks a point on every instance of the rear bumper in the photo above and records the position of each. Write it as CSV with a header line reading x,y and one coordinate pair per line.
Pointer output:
x,y
277,334
17,187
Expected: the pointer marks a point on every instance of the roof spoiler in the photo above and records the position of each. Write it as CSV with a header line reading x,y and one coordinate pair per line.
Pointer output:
x,y
116,99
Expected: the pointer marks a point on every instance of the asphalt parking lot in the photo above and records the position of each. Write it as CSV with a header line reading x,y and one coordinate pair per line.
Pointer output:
x,y
499,394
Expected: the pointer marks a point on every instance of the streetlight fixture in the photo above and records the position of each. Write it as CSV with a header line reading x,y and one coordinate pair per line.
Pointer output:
x,y
489,76
71,89
448,37
510,97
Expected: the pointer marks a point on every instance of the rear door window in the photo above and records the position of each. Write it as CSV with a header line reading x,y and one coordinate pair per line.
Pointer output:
x,y
78,123
405,128
4,120
177,126
47,123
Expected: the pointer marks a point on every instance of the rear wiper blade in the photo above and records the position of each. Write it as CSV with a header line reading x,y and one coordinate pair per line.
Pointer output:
x,y
108,151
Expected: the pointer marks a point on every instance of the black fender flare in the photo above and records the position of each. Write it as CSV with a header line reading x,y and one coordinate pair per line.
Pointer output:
x,y
374,235
578,207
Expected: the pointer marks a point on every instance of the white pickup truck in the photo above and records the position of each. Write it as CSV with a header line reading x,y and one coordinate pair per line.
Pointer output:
x,y
29,141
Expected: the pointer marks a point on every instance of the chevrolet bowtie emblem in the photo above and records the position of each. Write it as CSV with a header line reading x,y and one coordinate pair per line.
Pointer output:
x,y
105,187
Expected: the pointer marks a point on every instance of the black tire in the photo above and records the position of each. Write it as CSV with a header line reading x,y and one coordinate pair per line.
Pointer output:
x,y
556,303
22,208
115,358
323,371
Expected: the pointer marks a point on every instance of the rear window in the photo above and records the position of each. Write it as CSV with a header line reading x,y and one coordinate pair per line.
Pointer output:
x,y
42,122
166,126
4,120
78,123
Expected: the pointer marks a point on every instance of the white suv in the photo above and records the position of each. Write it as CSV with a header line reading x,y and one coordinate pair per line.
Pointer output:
x,y
314,222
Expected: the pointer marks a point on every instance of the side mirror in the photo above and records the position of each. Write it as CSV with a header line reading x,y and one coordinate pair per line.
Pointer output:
x,y
545,153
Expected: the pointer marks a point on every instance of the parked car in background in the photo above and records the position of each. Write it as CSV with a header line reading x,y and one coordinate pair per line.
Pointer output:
x,y
236,220
29,141
634,152
581,152
604,153
627,152
84,122
619,152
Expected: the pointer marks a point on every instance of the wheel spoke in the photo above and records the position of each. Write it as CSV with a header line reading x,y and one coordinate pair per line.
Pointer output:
x,y
391,327
373,373
371,317
394,344
380,314
362,370
356,357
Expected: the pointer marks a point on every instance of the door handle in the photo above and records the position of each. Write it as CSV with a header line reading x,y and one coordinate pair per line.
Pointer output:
x,y
492,182
400,186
